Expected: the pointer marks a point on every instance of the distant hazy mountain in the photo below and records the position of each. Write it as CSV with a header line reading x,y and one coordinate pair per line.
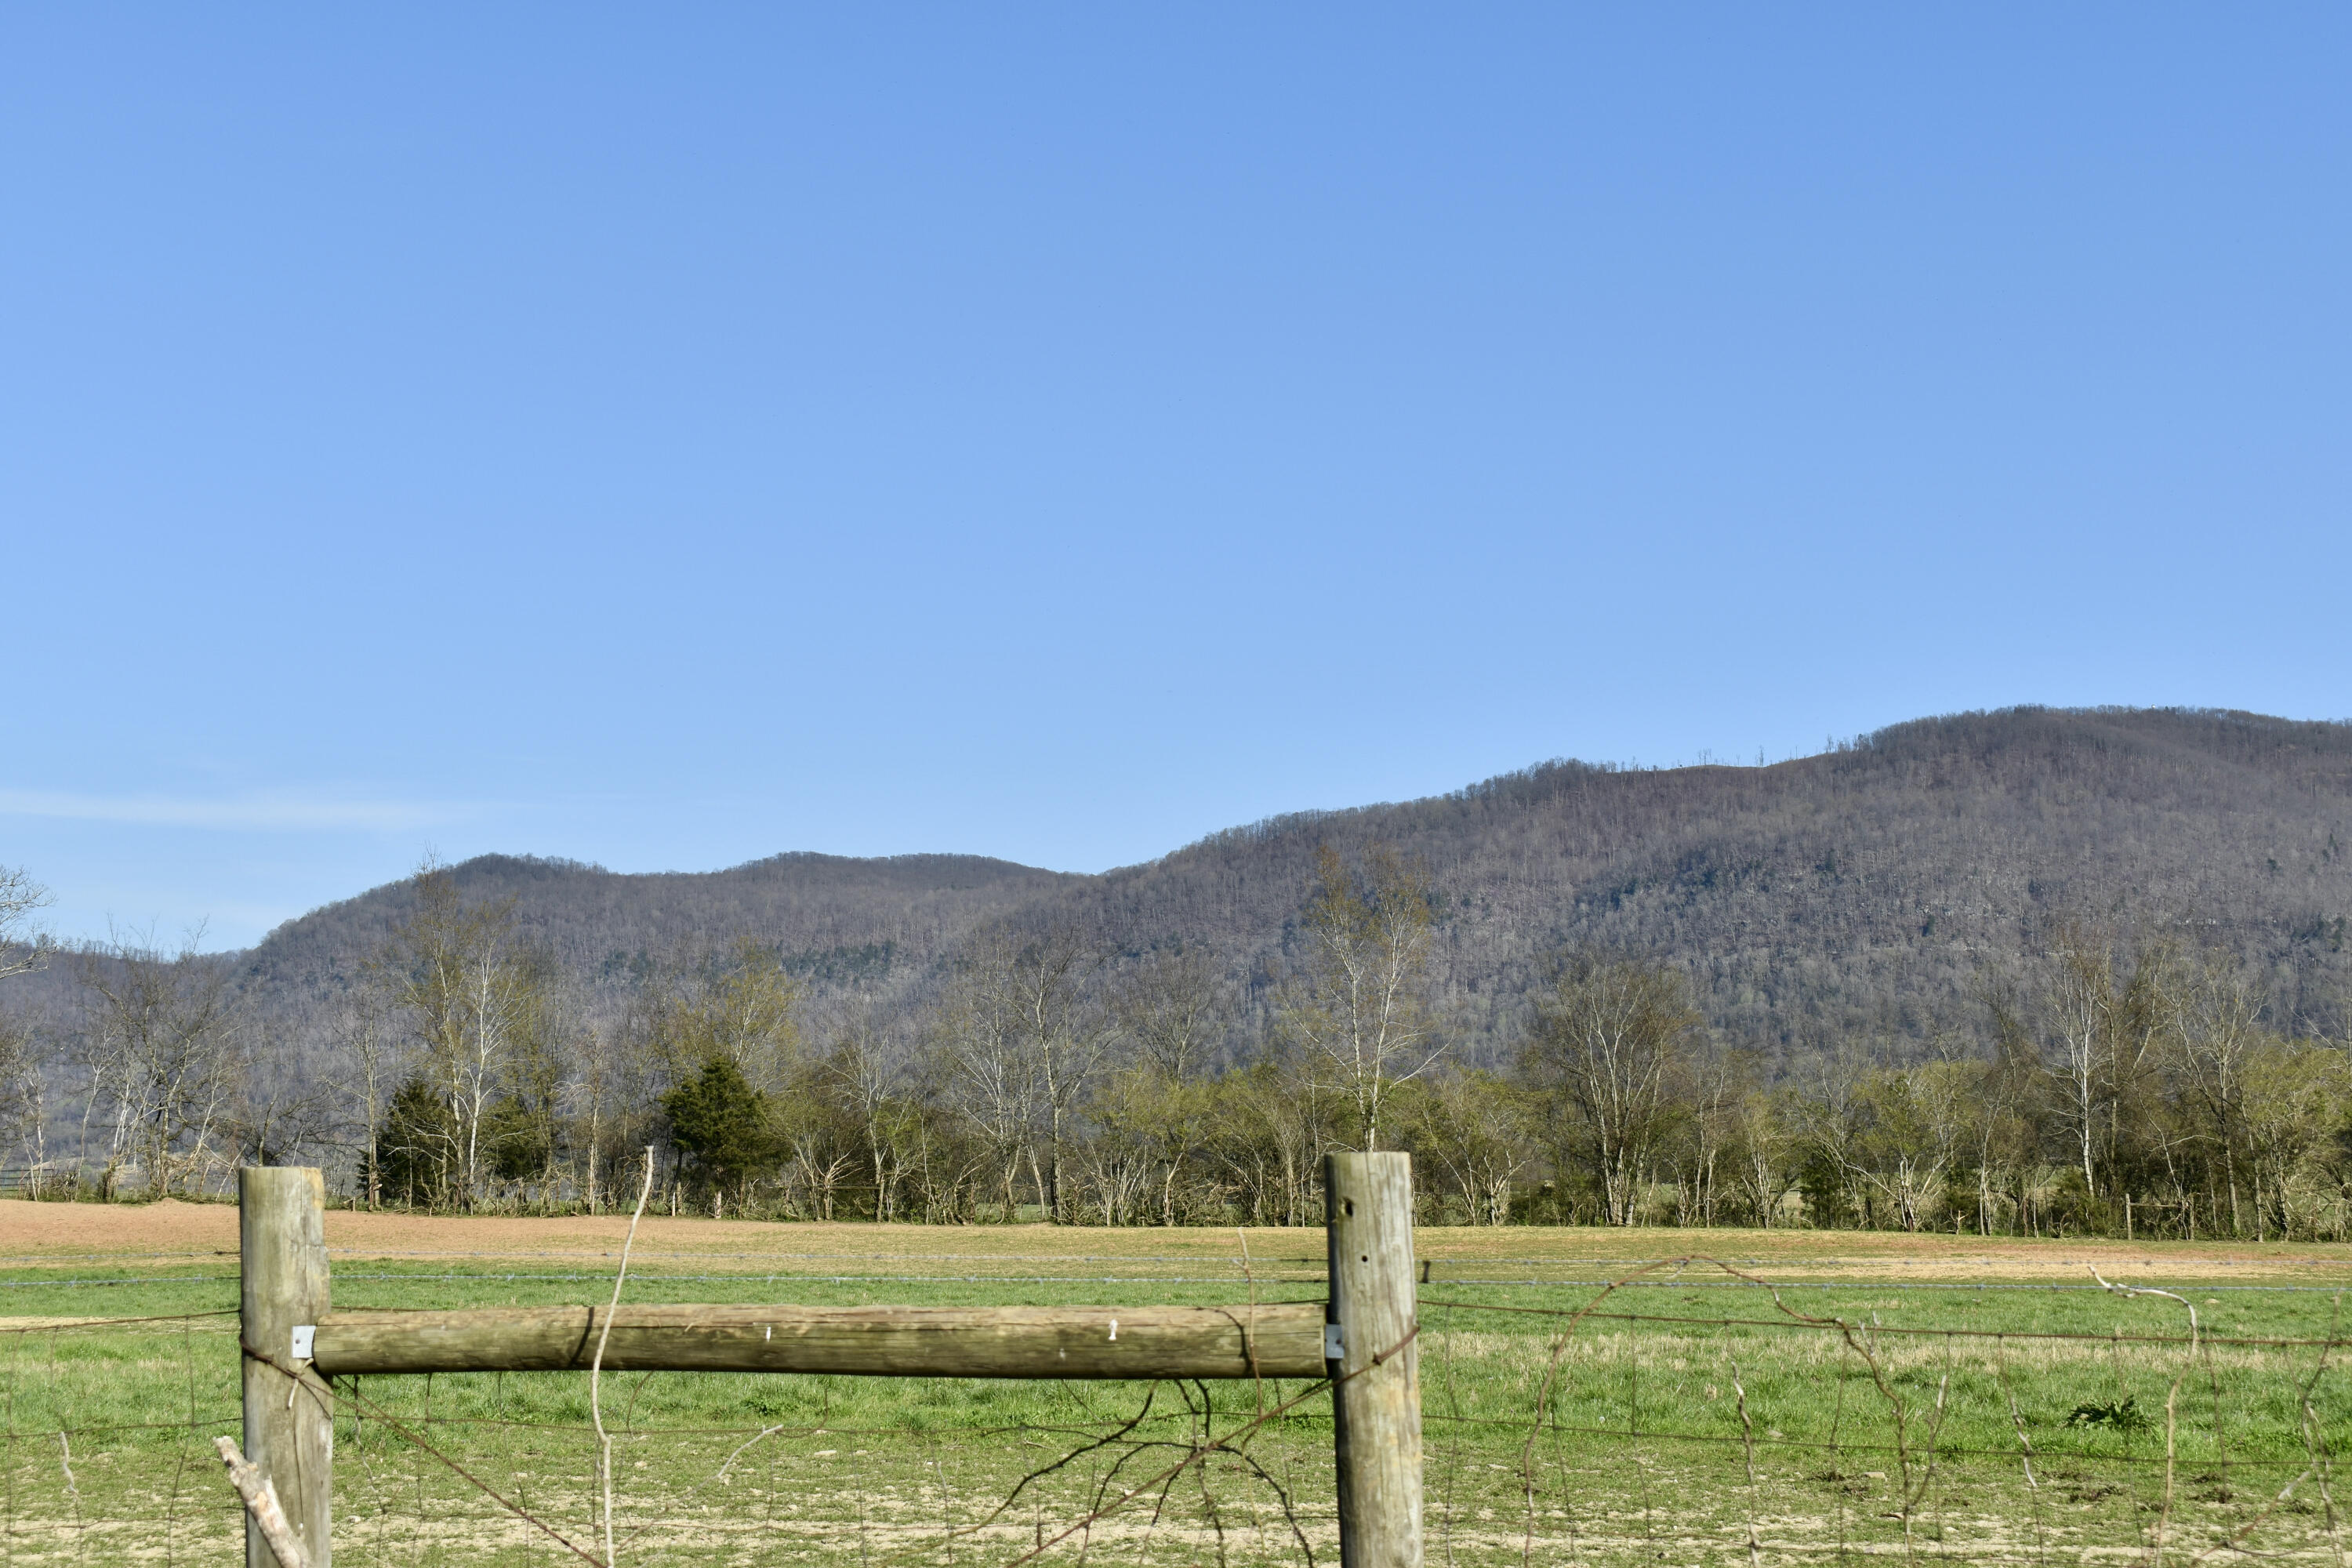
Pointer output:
x,y
876,924
1856,893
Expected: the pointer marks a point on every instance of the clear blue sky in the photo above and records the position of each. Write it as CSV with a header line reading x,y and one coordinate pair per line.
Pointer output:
x,y
669,436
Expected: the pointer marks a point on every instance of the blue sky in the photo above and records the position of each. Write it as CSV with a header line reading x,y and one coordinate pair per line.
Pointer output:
x,y
666,437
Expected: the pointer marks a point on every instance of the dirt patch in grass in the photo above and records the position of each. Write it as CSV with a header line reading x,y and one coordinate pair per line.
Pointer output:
x,y
172,1231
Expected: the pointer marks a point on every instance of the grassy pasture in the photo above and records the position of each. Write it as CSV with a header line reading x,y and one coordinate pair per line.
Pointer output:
x,y
1873,1441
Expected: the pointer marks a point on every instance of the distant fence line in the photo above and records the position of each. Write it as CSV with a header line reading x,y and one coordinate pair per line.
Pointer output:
x,y
214,1176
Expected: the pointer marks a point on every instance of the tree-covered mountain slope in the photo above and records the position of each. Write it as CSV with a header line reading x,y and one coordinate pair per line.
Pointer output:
x,y
1863,893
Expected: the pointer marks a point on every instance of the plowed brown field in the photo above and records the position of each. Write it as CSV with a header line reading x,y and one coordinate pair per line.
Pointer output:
x,y
157,1232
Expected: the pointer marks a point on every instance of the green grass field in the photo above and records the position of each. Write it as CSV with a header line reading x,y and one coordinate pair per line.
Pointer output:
x,y
1935,1426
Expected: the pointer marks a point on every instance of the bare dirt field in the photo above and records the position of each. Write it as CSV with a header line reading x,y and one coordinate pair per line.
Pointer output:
x,y
170,1231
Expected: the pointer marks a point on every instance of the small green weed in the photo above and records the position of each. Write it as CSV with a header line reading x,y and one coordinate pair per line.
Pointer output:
x,y
2123,1416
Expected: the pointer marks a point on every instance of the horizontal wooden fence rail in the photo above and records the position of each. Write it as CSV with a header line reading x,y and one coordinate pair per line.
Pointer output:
x,y
1285,1340
1362,1339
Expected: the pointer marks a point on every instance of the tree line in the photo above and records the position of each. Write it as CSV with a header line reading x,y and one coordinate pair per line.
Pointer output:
x,y
2125,1082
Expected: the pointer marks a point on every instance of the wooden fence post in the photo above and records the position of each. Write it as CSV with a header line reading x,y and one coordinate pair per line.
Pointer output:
x,y
290,1432
1376,1411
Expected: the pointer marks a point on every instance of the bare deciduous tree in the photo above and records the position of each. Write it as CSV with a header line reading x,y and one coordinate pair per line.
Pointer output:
x,y
869,1074
1475,1128
1364,1007
21,1096
2219,1025
738,1004
1764,1137
160,1038
2083,1004
1606,1043
24,947
1917,1124
1172,1005
364,1037
476,1003
1036,1037
993,1085
1276,1122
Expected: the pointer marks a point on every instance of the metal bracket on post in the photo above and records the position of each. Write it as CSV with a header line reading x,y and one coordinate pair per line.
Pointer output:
x,y
1334,1343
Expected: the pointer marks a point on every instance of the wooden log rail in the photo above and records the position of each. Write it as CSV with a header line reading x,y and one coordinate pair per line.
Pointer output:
x,y
1362,1338
1273,1341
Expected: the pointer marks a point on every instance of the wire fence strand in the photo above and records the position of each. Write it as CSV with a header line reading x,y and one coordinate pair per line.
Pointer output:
x,y
1565,1423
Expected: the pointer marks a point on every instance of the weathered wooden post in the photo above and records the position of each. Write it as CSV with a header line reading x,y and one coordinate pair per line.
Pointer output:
x,y
1368,1342
289,1431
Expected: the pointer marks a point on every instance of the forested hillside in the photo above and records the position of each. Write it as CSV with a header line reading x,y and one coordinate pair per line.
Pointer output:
x,y
873,925
1859,893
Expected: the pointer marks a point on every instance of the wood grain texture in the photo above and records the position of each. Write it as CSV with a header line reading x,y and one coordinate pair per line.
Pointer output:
x,y
261,1502
886,1341
1376,1410
289,1434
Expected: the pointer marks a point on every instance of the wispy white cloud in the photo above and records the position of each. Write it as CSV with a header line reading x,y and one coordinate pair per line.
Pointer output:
x,y
277,812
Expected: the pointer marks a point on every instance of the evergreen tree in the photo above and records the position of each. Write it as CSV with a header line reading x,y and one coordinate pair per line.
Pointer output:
x,y
416,1147
723,1126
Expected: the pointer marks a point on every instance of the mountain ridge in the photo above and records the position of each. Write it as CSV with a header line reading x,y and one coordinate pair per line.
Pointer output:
x,y
1985,827
1863,893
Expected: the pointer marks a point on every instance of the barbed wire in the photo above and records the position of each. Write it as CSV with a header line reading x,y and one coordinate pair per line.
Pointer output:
x,y
1910,1330
49,1326
745,1276
1853,1437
